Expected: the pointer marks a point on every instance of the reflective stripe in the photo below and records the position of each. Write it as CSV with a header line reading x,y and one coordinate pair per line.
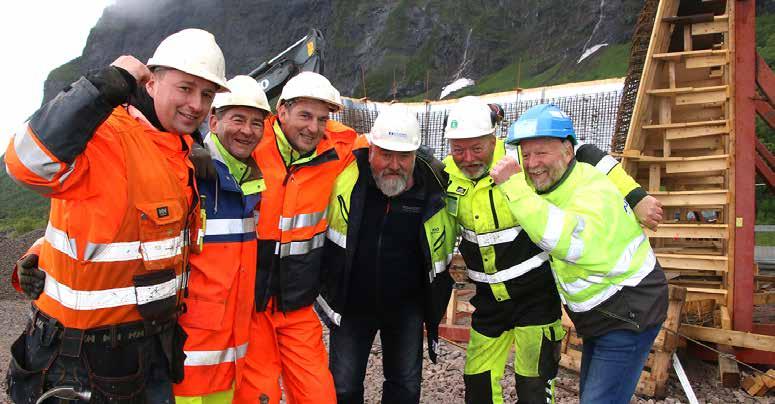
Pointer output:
x,y
553,229
337,237
161,249
59,240
496,237
329,312
439,266
208,358
302,220
107,298
510,273
576,247
115,252
606,164
219,227
32,156
621,267
302,247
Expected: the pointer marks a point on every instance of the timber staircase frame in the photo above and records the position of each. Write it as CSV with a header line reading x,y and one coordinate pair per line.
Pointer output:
x,y
692,144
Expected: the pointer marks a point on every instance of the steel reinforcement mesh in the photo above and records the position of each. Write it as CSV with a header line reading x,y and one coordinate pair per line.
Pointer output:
x,y
594,118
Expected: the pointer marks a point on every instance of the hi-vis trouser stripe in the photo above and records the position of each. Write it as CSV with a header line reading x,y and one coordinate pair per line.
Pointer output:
x,y
107,298
335,317
302,220
301,247
114,252
209,358
622,266
510,273
493,238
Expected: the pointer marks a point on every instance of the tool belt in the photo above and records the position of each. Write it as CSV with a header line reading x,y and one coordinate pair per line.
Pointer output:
x,y
112,336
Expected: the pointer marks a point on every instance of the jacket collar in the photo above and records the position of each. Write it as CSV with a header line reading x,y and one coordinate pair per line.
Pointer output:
x,y
233,174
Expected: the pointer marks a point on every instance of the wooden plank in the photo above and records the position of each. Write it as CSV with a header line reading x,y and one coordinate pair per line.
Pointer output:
x,y
711,143
729,373
730,337
764,298
677,56
676,125
693,262
692,181
671,73
676,231
687,37
701,98
669,92
719,163
654,177
692,198
717,295
705,28
706,61
695,132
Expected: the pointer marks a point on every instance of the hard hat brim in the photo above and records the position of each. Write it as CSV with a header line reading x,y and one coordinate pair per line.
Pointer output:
x,y
218,81
460,134
392,146
333,106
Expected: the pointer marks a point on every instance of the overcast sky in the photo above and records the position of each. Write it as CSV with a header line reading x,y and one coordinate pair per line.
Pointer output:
x,y
38,36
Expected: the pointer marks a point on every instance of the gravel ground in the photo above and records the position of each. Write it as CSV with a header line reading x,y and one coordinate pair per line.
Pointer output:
x,y
442,382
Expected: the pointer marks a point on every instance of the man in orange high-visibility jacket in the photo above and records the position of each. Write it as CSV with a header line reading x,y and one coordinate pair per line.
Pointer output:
x,y
111,151
300,155
220,287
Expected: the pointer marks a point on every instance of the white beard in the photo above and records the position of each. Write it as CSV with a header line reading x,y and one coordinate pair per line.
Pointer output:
x,y
391,186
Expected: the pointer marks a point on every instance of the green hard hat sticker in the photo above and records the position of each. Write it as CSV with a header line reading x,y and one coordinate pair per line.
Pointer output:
x,y
453,124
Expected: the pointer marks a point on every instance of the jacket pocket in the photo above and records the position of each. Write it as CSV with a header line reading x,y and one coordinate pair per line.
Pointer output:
x,y
203,314
161,233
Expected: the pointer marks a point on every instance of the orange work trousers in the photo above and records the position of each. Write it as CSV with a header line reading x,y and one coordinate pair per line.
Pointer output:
x,y
289,345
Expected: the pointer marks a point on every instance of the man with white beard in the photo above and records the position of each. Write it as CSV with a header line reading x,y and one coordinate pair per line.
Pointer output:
x,y
389,243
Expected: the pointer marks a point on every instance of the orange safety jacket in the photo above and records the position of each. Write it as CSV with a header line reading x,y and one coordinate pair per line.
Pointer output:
x,y
122,209
220,299
292,226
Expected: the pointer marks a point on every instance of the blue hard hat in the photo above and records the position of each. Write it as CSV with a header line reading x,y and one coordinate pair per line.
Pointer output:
x,y
543,120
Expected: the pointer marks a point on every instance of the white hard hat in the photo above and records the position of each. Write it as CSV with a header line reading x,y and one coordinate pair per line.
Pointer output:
x,y
311,85
396,128
469,118
195,52
245,92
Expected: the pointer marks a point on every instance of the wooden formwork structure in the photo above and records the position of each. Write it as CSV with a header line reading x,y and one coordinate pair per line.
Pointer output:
x,y
692,144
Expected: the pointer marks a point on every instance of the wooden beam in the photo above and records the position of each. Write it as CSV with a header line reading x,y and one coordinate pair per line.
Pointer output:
x,y
705,28
706,61
764,298
692,198
765,78
700,98
669,92
687,124
729,373
695,132
676,231
677,56
693,262
730,337
743,78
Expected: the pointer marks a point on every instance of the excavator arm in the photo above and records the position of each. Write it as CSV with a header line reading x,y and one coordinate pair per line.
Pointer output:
x,y
304,55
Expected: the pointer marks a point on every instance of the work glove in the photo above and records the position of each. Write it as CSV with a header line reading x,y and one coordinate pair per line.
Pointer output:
x,y
31,278
203,163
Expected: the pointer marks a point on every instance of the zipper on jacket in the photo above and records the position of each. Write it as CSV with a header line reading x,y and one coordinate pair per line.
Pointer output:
x,y
618,317
378,292
492,208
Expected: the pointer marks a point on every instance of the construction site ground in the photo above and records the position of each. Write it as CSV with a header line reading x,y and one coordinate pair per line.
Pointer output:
x,y
442,382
